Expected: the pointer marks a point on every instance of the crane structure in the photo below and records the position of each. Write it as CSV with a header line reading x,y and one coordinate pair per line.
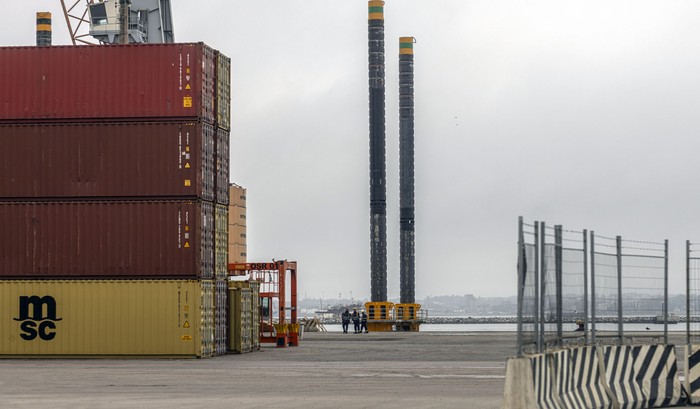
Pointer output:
x,y
272,276
102,21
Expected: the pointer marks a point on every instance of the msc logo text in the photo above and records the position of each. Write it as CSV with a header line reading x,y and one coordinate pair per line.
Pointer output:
x,y
38,316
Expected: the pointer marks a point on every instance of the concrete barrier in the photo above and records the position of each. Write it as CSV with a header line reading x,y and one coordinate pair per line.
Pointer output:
x,y
567,378
642,376
519,391
580,383
531,383
692,372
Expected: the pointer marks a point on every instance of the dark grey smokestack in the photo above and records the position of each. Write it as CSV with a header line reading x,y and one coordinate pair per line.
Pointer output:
x,y
377,151
406,172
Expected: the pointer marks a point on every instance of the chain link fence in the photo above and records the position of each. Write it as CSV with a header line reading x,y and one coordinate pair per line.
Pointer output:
x,y
550,294
628,284
692,252
528,282
644,290
574,288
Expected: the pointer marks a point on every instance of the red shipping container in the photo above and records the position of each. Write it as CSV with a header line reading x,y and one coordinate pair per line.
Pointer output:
x,y
146,81
107,160
130,159
108,239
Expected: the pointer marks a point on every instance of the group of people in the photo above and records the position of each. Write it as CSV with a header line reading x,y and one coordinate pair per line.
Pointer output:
x,y
359,321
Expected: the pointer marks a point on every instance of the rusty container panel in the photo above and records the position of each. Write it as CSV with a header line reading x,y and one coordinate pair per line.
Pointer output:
x,y
107,239
131,159
222,165
143,81
106,317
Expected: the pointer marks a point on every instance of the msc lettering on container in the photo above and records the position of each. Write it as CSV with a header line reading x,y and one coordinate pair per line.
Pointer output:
x,y
34,321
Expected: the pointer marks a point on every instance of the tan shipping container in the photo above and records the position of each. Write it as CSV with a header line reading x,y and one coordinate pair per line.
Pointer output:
x,y
237,253
237,216
237,195
106,318
237,230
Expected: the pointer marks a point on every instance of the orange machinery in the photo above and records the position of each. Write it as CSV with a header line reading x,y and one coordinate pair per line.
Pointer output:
x,y
273,278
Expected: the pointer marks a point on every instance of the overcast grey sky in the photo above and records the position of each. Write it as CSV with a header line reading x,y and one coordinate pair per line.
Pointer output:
x,y
580,113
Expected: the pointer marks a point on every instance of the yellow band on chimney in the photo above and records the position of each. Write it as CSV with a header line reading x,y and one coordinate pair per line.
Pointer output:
x,y
406,45
376,10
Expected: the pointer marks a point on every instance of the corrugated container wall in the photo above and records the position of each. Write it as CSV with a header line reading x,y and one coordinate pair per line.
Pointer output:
x,y
88,318
222,165
240,320
223,94
220,316
110,160
237,226
107,239
255,313
118,82
221,241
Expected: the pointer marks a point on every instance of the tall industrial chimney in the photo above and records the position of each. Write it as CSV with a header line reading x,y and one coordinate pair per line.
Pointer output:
x,y
377,152
43,28
406,172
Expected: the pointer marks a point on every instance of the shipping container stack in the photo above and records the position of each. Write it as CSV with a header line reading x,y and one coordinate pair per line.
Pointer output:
x,y
115,167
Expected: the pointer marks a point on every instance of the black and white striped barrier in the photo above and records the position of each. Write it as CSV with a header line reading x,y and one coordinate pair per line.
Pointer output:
x,y
579,379
543,372
563,379
642,376
626,377
692,372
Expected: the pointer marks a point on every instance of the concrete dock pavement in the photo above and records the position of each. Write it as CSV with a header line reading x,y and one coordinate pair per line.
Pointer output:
x,y
327,370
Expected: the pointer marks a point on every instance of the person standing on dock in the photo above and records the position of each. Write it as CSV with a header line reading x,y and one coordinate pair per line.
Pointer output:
x,y
363,322
345,317
356,321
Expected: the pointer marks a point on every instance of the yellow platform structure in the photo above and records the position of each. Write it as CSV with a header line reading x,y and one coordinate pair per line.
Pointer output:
x,y
384,316
408,317
380,316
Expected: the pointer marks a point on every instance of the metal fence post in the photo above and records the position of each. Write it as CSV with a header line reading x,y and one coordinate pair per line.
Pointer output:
x,y
521,283
687,291
618,239
666,291
558,254
539,338
593,300
542,283
585,287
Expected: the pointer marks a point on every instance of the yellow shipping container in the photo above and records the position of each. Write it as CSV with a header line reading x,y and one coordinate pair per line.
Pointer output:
x,y
255,312
240,318
107,318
